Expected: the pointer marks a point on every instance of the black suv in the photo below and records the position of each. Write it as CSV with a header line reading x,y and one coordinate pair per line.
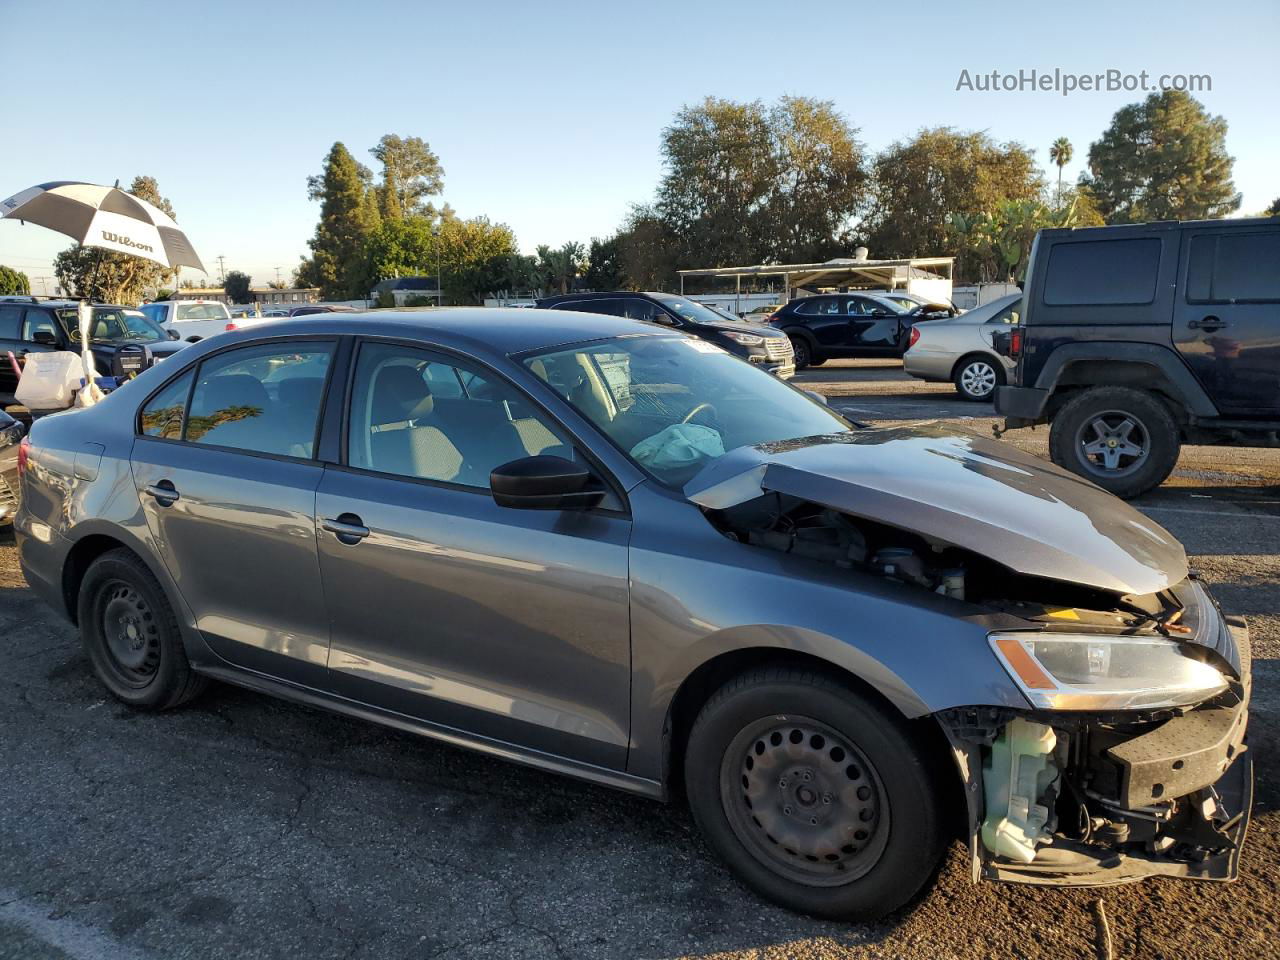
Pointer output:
x,y
1136,339
122,338
849,325
755,344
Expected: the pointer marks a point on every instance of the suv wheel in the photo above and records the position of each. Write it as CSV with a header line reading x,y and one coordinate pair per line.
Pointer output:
x,y
976,378
818,798
804,356
1124,440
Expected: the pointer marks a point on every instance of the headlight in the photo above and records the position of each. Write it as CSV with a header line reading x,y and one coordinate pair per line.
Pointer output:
x,y
1059,671
746,339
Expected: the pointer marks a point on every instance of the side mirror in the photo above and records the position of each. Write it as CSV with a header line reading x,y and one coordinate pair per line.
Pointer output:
x,y
44,337
173,334
543,483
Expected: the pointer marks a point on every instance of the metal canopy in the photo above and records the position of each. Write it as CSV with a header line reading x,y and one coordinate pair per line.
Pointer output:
x,y
840,272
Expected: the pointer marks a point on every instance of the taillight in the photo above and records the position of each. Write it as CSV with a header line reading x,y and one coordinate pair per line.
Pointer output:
x,y
1015,343
24,454
915,336
229,326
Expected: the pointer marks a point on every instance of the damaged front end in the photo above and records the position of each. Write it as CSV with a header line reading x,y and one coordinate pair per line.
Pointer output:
x,y
1129,759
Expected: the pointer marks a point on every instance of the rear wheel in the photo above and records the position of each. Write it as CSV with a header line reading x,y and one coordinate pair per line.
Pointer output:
x,y
818,798
804,356
976,378
131,635
1124,440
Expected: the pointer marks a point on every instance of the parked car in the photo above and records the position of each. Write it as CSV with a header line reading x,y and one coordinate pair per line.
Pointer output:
x,y
193,320
761,314
1136,339
311,308
961,350
844,325
758,344
604,548
929,309
124,341
11,433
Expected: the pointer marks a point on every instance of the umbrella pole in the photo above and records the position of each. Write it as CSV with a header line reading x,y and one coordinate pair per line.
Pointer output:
x,y
90,393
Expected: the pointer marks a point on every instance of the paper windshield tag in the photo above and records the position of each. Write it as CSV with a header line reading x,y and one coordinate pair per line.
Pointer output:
x,y
702,346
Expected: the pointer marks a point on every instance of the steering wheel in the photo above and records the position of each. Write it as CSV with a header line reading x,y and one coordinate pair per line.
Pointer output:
x,y
699,409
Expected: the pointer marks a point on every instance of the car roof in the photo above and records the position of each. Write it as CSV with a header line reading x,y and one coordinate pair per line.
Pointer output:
x,y
487,329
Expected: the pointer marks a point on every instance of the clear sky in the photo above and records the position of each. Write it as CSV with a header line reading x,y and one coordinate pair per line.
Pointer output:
x,y
547,116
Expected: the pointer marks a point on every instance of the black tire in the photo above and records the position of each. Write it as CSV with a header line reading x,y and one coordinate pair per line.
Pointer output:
x,y
131,635
977,377
1124,440
859,777
803,354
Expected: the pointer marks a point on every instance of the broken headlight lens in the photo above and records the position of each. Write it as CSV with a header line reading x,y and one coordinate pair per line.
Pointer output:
x,y
1059,671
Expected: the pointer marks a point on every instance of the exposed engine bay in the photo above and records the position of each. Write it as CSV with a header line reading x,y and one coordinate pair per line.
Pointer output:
x,y
1063,795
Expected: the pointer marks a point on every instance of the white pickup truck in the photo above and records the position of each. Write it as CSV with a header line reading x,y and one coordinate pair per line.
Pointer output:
x,y
193,320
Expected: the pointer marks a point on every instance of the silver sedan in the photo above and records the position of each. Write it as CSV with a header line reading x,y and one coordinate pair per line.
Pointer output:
x,y
959,349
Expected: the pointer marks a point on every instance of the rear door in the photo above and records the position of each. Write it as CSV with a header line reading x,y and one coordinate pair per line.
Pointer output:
x,y
1226,319
826,319
504,623
225,469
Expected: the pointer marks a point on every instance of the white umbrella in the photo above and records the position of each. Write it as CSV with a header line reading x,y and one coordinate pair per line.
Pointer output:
x,y
107,218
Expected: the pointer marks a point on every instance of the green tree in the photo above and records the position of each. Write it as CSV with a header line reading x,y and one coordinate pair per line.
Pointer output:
x,y
13,281
410,173
1162,159
400,248
1060,153
647,250
998,244
1274,209
922,182
110,277
348,215
475,254
236,286
746,183
559,268
604,264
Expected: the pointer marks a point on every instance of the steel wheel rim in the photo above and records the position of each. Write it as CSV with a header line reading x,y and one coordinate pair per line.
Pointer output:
x,y
800,352
1112,444
978,378
804,800
130,633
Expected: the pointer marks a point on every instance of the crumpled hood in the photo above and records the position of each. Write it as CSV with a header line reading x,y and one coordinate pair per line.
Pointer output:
x,y
965,490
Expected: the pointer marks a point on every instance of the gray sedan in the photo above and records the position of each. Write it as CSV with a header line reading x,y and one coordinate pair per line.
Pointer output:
x,y
959,349
607,550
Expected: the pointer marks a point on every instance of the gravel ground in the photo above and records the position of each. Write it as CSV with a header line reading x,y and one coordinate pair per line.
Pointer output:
x,y
251,828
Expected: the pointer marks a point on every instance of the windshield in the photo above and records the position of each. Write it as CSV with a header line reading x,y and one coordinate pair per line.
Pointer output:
x,y
674,404
113,325
689,310
202,311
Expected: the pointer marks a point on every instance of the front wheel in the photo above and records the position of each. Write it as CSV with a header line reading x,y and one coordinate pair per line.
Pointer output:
x,y
1124,440
818,798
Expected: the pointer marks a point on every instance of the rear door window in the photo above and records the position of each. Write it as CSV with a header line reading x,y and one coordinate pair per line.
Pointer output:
x,y
1234,268
1102,272
164,413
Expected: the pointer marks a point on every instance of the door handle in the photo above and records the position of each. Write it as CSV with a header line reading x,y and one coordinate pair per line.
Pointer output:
x,y
347,527
164,492
1208,323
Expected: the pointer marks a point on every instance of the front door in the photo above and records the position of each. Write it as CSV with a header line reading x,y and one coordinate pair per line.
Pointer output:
x,y
227,481
872,326
503,623
1226,322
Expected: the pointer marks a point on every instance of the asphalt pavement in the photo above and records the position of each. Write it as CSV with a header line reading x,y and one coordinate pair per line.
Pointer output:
x,y
244,827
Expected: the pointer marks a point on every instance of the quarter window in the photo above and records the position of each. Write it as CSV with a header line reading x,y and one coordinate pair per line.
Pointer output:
x,y
163,414
1102,273
1234,268
264,399
10,318
414,415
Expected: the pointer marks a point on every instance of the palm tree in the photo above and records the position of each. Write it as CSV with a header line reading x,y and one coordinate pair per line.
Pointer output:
x,y
1060,154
